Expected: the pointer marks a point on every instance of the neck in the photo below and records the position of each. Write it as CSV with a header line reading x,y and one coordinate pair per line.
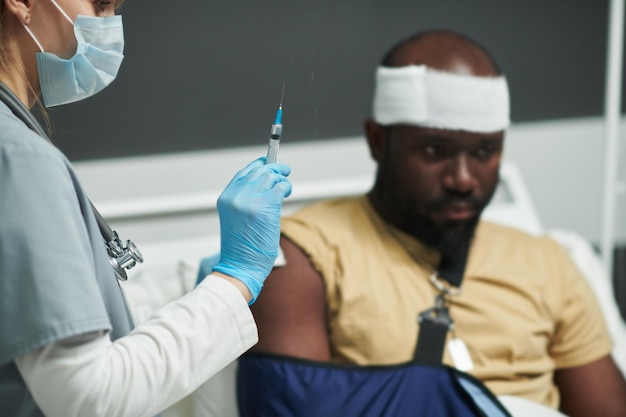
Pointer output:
x,y
19,89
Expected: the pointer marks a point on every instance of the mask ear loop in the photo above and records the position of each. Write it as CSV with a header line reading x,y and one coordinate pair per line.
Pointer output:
x,y
25,24
32,35
62,12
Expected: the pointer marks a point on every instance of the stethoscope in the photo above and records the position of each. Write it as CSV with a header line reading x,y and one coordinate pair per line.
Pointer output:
x,y
122,256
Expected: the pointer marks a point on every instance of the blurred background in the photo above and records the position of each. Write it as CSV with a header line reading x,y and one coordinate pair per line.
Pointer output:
x,y
210,75
200,85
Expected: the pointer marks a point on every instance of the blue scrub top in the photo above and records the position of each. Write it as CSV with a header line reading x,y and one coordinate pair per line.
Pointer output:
x,y
55,277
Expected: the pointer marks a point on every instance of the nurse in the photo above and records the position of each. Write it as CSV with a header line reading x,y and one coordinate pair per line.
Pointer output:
x,y
67,343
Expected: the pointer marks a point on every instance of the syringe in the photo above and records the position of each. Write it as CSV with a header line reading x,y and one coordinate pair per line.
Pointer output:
x,y
277,130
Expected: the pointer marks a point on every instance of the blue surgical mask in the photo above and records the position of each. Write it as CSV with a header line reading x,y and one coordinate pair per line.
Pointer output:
x,y
100,43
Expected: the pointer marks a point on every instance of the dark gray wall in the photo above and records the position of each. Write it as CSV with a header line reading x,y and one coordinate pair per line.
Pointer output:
x,y
209,74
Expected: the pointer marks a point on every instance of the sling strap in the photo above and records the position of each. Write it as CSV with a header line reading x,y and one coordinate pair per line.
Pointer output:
x,y
435,322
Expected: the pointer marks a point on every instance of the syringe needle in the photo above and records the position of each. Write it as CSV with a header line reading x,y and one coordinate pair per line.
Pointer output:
x,y
282,94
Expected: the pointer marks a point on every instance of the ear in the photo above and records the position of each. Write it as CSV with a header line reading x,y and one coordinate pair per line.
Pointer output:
x,y
21,9
376,138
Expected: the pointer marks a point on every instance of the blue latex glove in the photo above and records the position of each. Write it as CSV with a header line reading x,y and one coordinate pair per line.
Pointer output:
x,y
206,266
249,211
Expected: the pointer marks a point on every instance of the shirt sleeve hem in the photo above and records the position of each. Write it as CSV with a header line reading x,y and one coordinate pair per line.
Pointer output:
x,y
584,359
48,336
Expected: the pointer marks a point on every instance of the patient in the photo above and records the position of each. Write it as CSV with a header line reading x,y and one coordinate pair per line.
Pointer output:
x,y
359,270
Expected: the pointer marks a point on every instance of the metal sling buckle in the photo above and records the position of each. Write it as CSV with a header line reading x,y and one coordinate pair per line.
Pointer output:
x,y
443,286
437,314
434,325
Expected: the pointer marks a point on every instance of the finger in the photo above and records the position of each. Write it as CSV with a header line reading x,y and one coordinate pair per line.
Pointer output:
x,y
270,179
262,170
282,169
259,162
282,188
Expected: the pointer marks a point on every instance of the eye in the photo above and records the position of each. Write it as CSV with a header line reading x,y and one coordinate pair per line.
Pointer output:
x,y
486,151
435,150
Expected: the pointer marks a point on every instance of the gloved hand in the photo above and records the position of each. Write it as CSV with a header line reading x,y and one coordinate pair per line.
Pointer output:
x,y
249,211
206,266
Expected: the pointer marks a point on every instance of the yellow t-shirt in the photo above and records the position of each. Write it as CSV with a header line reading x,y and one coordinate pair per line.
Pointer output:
x,y
524,311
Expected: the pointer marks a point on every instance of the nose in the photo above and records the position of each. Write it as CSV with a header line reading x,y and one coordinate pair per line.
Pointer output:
x,y
459,177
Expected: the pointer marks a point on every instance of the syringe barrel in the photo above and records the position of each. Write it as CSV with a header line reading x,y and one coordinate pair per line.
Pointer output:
x,y
277,130
272,151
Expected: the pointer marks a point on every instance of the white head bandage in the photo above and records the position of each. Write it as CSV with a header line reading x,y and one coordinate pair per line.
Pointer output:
x,y
422,96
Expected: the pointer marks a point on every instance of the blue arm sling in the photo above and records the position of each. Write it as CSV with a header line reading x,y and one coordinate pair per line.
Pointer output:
x,y
276,386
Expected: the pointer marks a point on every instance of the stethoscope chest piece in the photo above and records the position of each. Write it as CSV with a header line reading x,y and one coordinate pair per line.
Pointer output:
x,y
123,257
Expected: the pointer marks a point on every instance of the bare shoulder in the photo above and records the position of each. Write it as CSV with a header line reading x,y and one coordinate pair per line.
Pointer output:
x,y
290,311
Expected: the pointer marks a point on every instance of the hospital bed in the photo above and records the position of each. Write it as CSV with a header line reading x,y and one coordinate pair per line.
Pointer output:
x,y
172,269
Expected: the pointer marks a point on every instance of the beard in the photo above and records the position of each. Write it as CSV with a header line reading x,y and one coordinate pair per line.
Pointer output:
x,y
449,237
414,215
